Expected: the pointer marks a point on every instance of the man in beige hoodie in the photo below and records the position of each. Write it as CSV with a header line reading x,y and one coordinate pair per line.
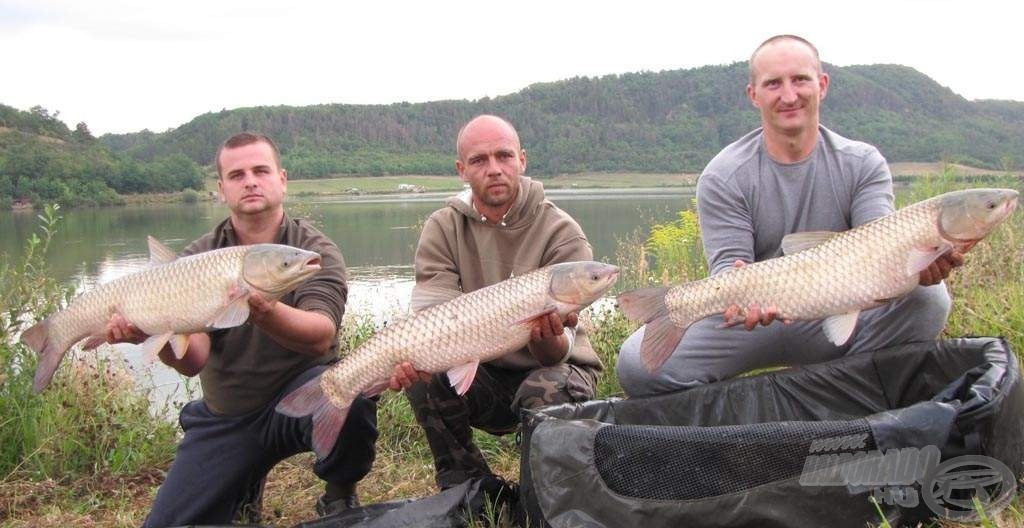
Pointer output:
x,y
502,226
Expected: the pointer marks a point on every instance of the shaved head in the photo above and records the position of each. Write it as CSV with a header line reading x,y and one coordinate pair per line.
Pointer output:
x,y
783,38
484,122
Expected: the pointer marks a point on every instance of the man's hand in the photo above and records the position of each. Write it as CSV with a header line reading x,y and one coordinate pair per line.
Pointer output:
x,y
260,307
552,326
753,314
119,330
406,376
939,270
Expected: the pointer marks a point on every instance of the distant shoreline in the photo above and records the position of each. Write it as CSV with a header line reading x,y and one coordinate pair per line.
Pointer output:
x,y
417,187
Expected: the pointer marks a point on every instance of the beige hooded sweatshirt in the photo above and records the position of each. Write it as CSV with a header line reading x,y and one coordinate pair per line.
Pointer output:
x,y
460,251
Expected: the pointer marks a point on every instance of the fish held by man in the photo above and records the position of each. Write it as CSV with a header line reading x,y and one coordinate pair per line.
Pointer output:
x,y
454,336
824,274
172,299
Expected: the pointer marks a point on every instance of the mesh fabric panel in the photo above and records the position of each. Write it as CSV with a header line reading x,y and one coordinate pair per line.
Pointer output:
x,y
685,463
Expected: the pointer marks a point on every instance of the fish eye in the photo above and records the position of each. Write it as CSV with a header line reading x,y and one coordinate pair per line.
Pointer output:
x,y
990,204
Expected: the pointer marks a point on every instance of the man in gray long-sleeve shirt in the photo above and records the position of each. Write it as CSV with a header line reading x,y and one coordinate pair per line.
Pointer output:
x,y
791,175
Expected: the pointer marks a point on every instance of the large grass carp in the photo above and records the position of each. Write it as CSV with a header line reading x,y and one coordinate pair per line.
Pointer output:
x,y
824,274
173,298
454,337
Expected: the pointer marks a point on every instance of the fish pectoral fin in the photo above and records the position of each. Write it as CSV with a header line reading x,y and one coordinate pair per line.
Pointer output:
x,y
93,342
839,328
159,253
152,346
797,242
461,377
424,297
179,344
543,312
921,258
234,313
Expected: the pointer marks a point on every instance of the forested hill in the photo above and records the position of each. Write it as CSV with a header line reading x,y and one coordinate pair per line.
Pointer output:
x,y
640,122
43,161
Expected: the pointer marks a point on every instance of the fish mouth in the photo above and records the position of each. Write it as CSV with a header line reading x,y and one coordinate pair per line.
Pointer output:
x,y
312,263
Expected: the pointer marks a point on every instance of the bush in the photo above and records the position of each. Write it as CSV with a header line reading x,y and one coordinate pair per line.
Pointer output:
x,y
190,196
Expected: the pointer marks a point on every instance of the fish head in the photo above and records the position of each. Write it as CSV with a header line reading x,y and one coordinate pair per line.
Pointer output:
x,y
967,216
276,269
581,283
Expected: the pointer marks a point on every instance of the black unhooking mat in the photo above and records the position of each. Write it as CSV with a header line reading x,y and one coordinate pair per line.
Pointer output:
x,y
732,453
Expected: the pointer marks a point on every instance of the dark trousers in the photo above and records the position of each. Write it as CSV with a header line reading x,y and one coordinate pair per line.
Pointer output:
x,y
222,459
492,404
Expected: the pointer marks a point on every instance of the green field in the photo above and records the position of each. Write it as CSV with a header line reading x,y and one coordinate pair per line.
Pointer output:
x,y
356,185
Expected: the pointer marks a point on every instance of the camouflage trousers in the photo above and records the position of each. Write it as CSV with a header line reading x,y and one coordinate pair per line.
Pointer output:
x,y
492,404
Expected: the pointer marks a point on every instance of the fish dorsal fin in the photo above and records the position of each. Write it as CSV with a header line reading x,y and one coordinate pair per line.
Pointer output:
x,y
839,328
424,297
921,258
159,253
461,377
797,242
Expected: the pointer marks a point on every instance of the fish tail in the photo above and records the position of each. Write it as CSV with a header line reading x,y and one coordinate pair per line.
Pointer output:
x,y
328,418
661,334
38,337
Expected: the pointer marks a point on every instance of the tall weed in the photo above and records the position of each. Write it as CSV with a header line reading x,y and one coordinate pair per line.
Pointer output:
x,y
90,419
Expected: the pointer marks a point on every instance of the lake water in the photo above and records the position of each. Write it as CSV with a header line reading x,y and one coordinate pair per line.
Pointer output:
x,y
377,236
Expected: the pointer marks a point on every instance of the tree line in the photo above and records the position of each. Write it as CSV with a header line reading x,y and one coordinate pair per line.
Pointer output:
x,y
43,161
670,121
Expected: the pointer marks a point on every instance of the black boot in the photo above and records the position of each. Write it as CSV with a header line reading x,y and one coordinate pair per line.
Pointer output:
x,y
337,499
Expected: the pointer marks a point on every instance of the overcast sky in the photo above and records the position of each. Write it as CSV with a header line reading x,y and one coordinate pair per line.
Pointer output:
x,y
122,66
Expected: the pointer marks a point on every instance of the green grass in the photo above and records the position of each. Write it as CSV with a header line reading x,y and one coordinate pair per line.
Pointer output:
x,y
88,451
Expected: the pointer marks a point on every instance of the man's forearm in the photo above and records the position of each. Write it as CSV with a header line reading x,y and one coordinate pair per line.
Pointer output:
x,y
310,333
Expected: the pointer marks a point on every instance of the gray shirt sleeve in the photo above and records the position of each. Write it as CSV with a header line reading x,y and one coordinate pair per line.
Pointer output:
x,y
873,194
726,222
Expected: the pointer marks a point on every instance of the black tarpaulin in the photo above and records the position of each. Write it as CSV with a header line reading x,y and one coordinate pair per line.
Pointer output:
x,y
732,453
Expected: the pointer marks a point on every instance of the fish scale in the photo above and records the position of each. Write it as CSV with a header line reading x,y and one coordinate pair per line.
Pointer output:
x,y
453,337
171,299
468,328
875,273
834,277
184,282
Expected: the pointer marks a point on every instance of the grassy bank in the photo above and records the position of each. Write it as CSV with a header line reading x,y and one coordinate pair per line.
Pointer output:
x,y
904,172
88,452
